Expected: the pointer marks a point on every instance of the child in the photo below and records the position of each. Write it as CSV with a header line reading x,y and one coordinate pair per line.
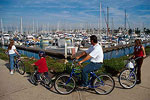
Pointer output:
x,y
42,65
12,53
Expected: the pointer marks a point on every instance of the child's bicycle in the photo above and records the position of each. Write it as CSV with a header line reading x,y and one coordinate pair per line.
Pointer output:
x,y
45,80
66,83
127,77
19,65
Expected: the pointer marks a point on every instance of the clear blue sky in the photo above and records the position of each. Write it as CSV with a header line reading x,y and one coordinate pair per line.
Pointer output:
x,y
74,11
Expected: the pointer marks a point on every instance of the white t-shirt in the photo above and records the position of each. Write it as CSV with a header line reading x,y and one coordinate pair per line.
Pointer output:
x,y
12,50
96,52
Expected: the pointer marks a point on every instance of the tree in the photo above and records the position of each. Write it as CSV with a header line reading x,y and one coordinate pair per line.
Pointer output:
x,y
130,31
147,31
137,31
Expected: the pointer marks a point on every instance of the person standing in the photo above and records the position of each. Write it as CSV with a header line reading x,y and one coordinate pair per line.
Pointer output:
x,y
139,51
95,54
12,53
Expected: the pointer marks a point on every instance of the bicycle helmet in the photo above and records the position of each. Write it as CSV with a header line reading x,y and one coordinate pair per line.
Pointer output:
x,y
42,54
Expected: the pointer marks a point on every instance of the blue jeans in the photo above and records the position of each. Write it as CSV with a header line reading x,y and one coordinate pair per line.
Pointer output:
x,y
87,69
11,58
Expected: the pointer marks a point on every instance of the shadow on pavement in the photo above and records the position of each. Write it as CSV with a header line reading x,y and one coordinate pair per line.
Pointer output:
x,y
51,88
7,66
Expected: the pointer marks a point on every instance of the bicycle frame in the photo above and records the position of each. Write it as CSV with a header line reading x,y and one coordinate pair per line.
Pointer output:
x,y
92,75
40,75
133,69
71,75
131,73
16,60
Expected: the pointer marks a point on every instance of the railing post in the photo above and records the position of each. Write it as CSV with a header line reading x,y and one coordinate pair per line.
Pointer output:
x,y
65,52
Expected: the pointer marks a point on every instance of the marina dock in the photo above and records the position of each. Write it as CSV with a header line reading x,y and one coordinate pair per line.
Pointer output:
x,y
60,52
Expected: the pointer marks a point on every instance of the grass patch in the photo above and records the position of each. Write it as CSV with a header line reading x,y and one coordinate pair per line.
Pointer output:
x,y
114,65
3,56
147,50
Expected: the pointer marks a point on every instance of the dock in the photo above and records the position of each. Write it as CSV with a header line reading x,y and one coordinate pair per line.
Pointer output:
x,y
60,52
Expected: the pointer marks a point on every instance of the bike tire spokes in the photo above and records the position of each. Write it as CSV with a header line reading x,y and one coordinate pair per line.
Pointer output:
x,y
127,79
21,67
103,84
33,79
46,81
65,84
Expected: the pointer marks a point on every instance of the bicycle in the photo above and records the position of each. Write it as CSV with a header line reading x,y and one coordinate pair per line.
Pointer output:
x,y
19,65
44,79
66,83
127,77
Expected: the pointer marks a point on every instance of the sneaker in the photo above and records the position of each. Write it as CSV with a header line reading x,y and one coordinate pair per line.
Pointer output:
x,y
83,86
39,81
11,73
138,82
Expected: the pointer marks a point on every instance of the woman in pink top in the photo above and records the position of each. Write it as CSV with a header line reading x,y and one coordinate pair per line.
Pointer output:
x,y
139,51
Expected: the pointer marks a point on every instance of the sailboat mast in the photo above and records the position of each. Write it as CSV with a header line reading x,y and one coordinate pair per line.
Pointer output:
x,y
48,29
100,22
143,27
21,30
33,25
100,19
125,20
37,27
107,21
2,26
112,26
58,27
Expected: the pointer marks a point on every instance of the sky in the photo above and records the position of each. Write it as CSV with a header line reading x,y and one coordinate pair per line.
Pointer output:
x,y
84,13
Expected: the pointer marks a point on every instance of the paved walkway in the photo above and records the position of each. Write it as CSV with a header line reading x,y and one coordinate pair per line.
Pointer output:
x,y
17,87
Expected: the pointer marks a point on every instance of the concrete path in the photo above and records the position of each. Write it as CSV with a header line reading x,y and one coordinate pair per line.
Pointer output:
x,y
17,87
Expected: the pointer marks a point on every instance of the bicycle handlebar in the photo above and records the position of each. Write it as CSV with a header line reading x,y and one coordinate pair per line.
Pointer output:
x,y
134,58
137,58
75,62
18,56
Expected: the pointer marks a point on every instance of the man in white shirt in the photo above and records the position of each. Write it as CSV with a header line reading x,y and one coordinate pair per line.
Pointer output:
x,y
95,54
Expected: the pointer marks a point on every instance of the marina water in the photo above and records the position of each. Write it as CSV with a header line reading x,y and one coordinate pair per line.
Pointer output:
x,y
107,55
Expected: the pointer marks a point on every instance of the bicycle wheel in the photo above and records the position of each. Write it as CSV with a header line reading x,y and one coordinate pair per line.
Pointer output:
x,y
127,79
21,67
64,84
47,81
33,79
103,84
